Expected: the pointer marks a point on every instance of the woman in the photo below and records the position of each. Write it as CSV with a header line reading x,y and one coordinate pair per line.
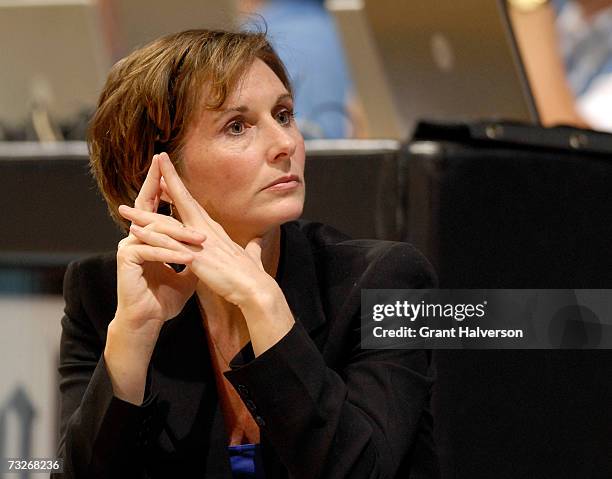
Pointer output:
x,y
262,364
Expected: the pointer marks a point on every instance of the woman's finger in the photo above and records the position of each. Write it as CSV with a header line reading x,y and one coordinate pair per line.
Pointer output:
x,y
141,253
187,206
177,231
162,224
148,196
154,238
141,216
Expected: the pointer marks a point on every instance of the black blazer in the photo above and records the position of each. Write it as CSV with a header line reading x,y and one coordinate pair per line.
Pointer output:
x,y
325,407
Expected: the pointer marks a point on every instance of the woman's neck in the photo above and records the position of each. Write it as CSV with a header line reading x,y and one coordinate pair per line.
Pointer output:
x,y
270,251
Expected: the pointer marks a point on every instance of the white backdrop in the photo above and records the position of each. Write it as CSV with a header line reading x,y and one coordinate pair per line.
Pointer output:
x,y
29,347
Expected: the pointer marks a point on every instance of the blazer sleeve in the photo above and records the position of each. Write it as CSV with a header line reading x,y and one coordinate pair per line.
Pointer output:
x,y
99,433
360,420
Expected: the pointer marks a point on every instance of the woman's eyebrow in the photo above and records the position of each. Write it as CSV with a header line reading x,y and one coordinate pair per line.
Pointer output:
x,y
219,115
239,109
243,108
283,97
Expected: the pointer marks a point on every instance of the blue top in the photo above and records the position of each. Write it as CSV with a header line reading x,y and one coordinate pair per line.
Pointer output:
x,y
305,37
246,461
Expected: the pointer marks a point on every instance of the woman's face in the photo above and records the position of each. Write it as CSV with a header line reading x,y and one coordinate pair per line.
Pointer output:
x,y
244,163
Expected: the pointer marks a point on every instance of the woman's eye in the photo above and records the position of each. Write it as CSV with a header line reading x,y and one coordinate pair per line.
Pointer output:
x,y
284,117
236,128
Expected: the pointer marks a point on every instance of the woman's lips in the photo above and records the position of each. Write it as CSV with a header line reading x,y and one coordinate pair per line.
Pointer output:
x,y
284,183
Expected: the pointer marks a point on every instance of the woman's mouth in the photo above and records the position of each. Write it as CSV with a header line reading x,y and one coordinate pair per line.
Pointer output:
x,y
284,183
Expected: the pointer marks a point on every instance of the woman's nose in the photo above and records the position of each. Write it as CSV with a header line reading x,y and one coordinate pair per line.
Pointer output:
x,y
282,142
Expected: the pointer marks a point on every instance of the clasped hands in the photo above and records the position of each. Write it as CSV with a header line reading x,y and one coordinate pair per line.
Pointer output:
x,y
147,287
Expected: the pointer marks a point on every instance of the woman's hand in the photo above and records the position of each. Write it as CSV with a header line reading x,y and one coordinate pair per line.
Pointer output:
x,y
149,292
230,271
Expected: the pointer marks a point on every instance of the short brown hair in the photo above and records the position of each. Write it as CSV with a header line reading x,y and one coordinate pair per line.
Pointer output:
x,y
150,97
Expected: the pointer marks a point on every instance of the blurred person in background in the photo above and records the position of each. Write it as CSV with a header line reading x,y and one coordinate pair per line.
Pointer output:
x,y
305,37
567,49
585,36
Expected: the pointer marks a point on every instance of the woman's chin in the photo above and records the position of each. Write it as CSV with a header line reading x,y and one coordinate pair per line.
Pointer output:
x,y
281,217
264,221
282,211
